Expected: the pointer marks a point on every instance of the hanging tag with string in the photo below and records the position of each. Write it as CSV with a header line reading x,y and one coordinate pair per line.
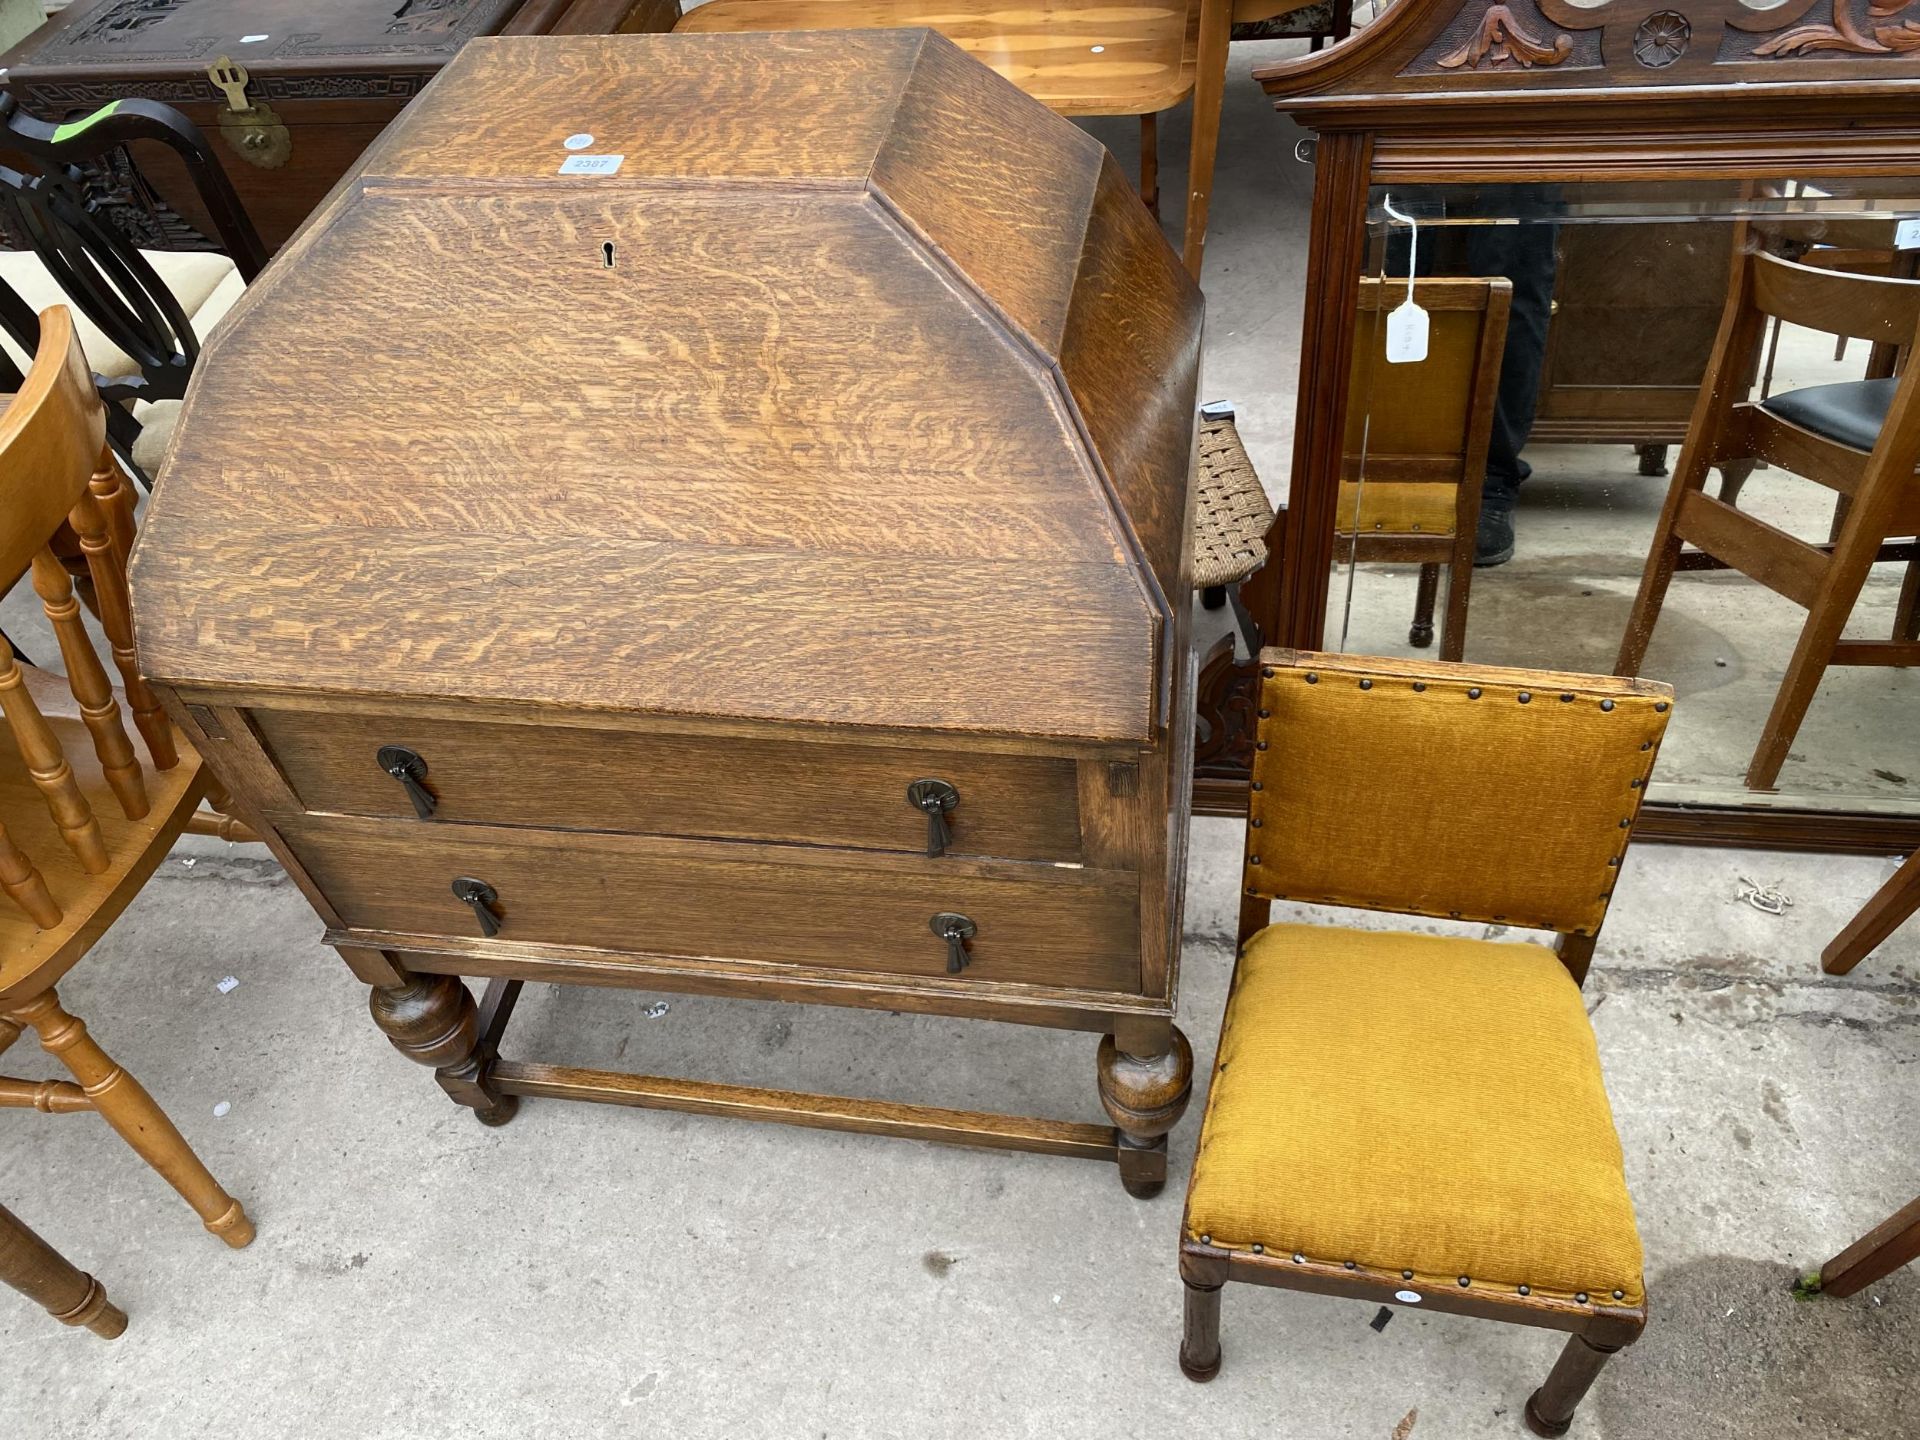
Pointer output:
x,y
1407,322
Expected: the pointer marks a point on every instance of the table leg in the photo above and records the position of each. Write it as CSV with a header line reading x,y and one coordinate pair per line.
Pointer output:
x,y
431,1019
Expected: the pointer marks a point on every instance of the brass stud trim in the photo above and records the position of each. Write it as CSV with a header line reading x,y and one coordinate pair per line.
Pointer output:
x,y
1253,859
1465,1281
1581,1298
1266,672
1419,686
1349,1264
1526,1289
1524,698
1406,1274
1606,705
1206,1239
1659,707
1619,1294
1566,697
1473,692
1258,1248
1259,744
1366,684
1312,679
1298,1258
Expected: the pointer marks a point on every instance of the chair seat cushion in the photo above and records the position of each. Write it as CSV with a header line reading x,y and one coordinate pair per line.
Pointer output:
x,y
194,277
1850,412
1414,1102
1397,507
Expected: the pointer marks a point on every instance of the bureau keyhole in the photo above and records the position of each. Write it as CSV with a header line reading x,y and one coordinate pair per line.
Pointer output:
x,y
606,254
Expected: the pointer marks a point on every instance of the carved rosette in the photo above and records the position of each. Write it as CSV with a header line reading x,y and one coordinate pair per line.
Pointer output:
x,y
1661,39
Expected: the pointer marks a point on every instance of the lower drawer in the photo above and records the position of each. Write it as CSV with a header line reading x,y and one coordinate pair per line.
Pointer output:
x,y
1032,924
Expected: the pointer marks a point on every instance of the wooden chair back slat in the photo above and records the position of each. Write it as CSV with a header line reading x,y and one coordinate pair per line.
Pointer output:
x,y
22,880
103,519
87,678
48,766
1863,307
56,472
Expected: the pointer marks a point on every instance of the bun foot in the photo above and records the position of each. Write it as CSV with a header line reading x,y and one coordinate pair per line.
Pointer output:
x,y
1538,1424
499,1113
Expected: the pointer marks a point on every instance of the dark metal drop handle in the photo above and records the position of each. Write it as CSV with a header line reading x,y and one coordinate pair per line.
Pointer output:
x,y
956,930
936,798
410,770
481,896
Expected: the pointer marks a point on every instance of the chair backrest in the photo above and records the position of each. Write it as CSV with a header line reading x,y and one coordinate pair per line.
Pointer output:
x,y
98,268
1427,421
1833,301
61,491
1472,792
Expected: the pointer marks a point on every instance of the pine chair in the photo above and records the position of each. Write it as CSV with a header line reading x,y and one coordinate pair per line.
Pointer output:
x,y
1416,446
1414,1119
42,1274
82,822
1859,438
1077,57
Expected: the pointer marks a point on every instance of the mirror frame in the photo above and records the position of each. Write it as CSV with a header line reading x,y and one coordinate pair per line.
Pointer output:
x,y
1515,91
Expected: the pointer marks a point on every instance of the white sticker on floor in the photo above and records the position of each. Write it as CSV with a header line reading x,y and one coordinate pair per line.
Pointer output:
x,y
226,986
591,164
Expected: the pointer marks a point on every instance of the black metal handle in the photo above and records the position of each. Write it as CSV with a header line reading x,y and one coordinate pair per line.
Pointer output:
x,y
936,798
481,896
410,770
956,930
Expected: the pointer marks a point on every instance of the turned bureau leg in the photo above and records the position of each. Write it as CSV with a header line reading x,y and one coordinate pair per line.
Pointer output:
x,y
431,1019
1145,1095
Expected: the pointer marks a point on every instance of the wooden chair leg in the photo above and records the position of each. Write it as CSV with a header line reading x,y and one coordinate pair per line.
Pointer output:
x,y
1453,635
1425,592
1209,85
1906,614
1733,479
129,1109
1892,905
1150,161
1550,1408
1200,1344
1874,1256
1662,558
45,1276
1846,574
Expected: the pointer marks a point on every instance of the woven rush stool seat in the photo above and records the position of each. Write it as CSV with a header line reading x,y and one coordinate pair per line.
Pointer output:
x,y
1231,512
1391,1099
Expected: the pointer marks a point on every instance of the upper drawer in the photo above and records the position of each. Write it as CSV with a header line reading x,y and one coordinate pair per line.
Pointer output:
x,y
558,777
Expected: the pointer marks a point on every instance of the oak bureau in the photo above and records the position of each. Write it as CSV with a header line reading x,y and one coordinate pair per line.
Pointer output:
x,y
709,514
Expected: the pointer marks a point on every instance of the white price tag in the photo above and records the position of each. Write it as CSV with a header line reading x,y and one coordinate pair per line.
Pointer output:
x,y
1406,334
1906,235
1407,324
591,164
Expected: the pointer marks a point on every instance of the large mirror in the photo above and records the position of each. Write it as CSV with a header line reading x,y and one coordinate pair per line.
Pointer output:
x,y
1653,428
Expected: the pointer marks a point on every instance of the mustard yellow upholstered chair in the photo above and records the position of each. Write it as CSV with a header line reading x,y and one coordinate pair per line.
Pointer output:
x,y
1414,1119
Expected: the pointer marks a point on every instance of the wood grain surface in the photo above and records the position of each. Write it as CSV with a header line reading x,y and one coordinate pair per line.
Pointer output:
x,y
789,457
1038,924
1013,806
1077,60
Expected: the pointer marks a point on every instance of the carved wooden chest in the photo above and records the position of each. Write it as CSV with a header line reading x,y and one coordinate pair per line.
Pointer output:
x,y
291,91
709,513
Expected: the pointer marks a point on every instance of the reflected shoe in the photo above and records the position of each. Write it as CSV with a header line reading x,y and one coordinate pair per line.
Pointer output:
x,y
1493,542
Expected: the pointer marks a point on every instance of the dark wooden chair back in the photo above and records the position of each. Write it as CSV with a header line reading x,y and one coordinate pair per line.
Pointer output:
x,y
54,209
1875,308
56,473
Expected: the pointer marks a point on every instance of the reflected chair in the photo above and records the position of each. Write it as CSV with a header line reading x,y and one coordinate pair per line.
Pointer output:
x,y
1412,1119
1892,905
1416,446
140,314
82,822
42,1274
1859,438
1077,57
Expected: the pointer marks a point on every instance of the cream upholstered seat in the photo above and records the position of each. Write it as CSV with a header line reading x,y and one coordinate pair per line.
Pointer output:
x,y
206,285
1420,1104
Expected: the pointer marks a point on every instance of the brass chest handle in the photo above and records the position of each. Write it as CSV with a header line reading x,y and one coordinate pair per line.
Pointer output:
x,y
410,770
956,930
481,896
936,798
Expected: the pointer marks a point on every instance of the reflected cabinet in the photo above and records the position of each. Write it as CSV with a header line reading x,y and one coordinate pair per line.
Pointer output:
x,y
1605,369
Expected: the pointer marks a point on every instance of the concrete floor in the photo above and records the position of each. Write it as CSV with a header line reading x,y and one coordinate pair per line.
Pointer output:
x,y
601,1272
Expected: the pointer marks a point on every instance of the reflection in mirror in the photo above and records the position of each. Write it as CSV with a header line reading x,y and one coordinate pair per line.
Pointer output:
x,y
1663,430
